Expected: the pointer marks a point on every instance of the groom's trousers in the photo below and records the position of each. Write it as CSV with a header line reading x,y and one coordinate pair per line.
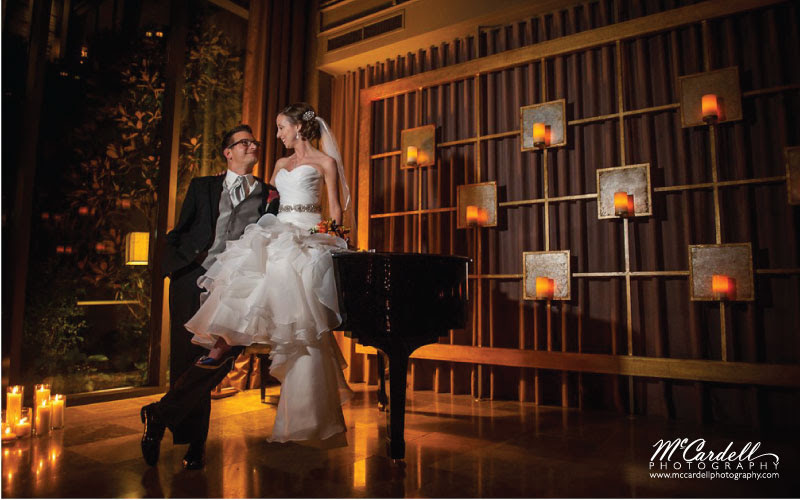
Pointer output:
x,y
186,408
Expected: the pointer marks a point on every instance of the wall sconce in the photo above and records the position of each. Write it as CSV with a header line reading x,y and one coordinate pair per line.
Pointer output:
x,y
723,287
543,125
710,97
137,248
418,147
546,275
710,108
721,272
545,287
476,205
624,191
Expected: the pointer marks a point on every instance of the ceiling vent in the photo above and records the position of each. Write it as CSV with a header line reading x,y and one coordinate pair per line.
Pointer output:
x,y
366,32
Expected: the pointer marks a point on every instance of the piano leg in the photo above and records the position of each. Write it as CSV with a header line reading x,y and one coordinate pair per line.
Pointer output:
x,y
382,401
398,371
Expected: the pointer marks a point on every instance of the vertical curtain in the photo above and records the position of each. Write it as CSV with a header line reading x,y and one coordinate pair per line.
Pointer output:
x,y
274,71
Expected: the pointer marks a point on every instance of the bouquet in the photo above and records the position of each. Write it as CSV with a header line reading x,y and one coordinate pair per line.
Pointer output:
x,y
329,226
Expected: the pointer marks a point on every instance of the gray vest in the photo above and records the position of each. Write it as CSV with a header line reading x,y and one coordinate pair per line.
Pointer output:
x,y
232,221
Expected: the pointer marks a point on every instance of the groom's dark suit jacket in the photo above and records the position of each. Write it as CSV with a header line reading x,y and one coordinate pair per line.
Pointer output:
x,y
194,233
187,406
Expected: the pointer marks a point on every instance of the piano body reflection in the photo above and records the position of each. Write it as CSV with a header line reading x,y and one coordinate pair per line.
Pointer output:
x,y
397,302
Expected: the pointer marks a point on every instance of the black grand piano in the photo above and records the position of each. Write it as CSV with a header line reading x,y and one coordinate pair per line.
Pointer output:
x,y
397,302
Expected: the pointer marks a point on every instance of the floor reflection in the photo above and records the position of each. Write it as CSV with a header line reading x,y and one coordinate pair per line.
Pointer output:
x,y
455,447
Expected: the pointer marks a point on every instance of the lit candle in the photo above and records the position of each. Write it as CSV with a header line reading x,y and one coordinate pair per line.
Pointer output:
x,y
483,216
472,214
8,433
23,427
411,155
545,287
14,403
721,286
710,107
631,206
58,411
42,392
539,131
43,413
621,203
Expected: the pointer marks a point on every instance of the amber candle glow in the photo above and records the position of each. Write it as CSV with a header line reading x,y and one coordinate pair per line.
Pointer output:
x,y
721,286
472,214
621,203
545,287
483,216
539,133
710,107
411,155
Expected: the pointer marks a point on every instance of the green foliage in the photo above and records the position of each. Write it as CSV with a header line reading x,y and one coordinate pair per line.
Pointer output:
x,y
54,325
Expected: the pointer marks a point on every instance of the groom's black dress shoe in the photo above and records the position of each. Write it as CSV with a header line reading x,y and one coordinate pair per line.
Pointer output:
x,y
195,457
153,433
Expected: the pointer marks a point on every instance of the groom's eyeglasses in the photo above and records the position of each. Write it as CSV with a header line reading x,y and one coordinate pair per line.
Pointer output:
x,y
246,143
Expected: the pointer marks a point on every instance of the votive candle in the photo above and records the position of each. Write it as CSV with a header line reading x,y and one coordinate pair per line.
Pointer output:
x,y
710,107
472,214
14,403
483,216
631,206
23,427
720,286
411,155
621,203
43,420
545,287
58,401
539,132
8,434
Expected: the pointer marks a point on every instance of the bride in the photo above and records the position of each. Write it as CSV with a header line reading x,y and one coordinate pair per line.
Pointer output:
x,y
276,286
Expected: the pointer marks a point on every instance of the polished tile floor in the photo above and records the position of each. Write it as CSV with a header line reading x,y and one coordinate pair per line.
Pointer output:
x,y
456,447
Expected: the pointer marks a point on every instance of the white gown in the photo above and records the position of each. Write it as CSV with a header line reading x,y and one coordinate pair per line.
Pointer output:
x,y
275,285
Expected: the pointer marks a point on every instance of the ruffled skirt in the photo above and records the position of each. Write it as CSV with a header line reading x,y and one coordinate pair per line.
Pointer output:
x,y
275,285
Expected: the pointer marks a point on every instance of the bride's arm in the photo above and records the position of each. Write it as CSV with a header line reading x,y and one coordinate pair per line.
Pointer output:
x,y
332,185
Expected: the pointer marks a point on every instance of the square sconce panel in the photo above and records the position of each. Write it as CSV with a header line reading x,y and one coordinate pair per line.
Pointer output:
x,y
733,260
792,156
482,195
632,179
553,265
552,114
424,139
724,83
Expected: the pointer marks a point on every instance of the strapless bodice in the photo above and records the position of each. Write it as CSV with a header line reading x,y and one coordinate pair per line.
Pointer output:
x,y
300,186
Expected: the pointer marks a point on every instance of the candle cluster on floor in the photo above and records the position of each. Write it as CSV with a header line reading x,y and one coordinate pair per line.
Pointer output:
x,y
46,414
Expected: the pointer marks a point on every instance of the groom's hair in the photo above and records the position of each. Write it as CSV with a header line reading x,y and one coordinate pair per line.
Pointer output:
x,y
228,137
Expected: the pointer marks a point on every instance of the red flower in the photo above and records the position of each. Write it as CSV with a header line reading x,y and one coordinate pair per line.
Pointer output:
x,y
273,195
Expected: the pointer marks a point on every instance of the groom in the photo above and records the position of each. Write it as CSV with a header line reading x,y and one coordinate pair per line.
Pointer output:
x,y
216,210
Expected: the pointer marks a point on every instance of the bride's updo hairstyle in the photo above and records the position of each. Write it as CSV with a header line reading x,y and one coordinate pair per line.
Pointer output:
x,y
301,113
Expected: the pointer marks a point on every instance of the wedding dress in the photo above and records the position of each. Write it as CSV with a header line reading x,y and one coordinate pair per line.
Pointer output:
x,y
275,285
